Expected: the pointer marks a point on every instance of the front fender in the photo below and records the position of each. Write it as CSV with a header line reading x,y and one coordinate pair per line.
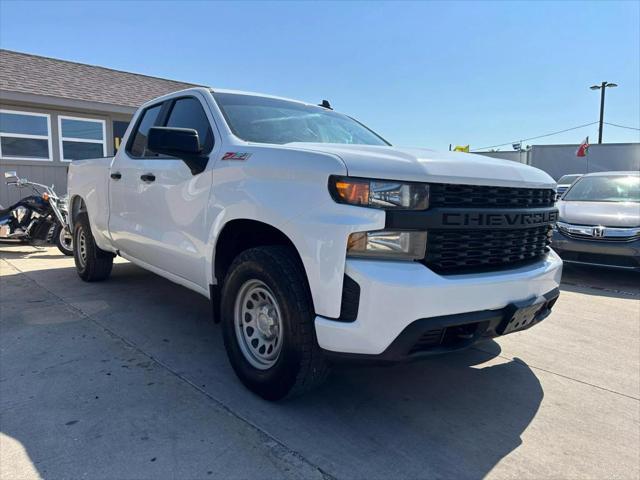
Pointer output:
x,y
320,238
288,190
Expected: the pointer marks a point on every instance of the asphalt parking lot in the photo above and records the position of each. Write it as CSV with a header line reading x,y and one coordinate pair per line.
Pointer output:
x,y
129,379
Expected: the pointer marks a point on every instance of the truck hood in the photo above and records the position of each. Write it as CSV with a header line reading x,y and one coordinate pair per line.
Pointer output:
x,y
422,165
608,214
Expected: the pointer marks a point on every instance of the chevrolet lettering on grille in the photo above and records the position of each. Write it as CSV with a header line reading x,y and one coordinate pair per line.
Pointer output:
x,y
499,219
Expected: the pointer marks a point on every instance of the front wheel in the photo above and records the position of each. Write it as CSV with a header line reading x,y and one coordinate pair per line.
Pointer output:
x,y
63,240
267,322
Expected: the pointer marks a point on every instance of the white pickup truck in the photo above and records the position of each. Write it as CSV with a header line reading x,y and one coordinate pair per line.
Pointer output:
x,y
313,237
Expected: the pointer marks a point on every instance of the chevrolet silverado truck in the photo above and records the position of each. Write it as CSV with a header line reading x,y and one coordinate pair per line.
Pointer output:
x,y
315,239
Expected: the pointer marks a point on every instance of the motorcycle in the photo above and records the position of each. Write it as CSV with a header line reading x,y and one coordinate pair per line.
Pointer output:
x,y
37,219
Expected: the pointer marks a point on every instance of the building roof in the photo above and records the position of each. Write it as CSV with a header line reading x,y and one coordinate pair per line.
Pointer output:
x,y
33,74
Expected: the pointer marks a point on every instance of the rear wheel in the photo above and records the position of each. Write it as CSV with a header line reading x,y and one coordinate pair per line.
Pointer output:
x,y
63,240
92,263
267,321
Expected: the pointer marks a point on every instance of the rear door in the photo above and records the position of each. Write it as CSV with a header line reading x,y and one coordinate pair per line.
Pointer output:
x,y
125,187
158,207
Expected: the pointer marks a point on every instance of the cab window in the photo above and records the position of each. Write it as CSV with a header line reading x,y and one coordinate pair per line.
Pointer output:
x,y
188,113
149,118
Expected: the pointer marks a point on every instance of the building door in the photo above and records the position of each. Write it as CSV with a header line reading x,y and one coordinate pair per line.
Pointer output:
x,y
119,129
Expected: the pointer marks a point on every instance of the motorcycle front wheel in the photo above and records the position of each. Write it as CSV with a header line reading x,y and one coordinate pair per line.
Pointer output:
x,y
63,240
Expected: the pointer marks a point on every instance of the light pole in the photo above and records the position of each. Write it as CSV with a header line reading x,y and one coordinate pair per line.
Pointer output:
x,y
602,88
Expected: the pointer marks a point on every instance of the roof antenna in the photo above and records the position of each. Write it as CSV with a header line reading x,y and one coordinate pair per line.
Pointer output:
x,y
325,104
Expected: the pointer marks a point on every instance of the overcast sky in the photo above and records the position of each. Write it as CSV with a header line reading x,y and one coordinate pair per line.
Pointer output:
x,y
421,74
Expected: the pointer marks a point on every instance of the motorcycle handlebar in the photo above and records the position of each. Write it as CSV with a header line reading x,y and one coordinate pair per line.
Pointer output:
x,y
23,182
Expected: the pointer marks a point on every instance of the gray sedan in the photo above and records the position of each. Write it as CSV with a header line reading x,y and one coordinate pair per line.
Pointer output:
x,y
566,181
599,221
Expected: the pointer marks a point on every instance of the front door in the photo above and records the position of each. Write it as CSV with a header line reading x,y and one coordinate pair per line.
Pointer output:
x,y
158,206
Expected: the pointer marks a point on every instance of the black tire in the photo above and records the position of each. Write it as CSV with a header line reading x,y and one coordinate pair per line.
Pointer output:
x,y
300,365
92,264
59,240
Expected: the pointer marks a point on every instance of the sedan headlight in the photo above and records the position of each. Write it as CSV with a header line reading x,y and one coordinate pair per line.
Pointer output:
x,y
384,194
388,245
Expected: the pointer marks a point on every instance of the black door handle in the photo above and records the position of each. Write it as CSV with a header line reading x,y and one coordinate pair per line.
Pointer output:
x,y
148,177
116,175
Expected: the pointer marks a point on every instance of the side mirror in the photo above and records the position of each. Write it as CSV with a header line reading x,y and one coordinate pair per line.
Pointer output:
x,y
182,143
176,142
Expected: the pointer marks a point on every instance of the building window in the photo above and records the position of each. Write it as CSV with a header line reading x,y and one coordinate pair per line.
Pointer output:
x,y
25,135
81,138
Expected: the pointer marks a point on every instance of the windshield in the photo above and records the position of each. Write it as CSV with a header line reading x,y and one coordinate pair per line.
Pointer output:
x,y
568,179
612,188
269,120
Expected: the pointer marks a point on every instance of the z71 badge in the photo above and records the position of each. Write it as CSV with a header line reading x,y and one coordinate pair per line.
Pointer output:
x,y
236,156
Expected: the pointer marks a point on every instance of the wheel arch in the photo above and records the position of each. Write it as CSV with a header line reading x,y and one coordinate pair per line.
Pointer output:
x,y
241,234
77,206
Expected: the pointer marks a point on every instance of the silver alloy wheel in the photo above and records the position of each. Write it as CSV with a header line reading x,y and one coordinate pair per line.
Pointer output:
x,y
258,324
66,240
82,248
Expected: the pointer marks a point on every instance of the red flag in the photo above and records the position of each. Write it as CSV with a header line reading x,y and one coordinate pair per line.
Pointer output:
x,y
583,149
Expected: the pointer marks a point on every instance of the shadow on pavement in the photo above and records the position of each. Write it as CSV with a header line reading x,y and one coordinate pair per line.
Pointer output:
x,y
453,416
438,419
10,251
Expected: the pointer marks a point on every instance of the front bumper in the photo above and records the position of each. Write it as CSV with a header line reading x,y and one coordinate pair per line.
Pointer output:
x,y
396,297
603,253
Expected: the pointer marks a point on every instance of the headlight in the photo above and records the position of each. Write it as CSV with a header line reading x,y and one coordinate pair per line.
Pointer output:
x,y
382,194
388,245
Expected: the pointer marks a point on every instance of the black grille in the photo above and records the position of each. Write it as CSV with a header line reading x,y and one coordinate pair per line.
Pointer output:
x,y
480,196
428,339
461,251
449,338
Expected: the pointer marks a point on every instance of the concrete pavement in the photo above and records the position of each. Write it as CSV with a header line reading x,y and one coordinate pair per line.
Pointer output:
x,y
129,379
